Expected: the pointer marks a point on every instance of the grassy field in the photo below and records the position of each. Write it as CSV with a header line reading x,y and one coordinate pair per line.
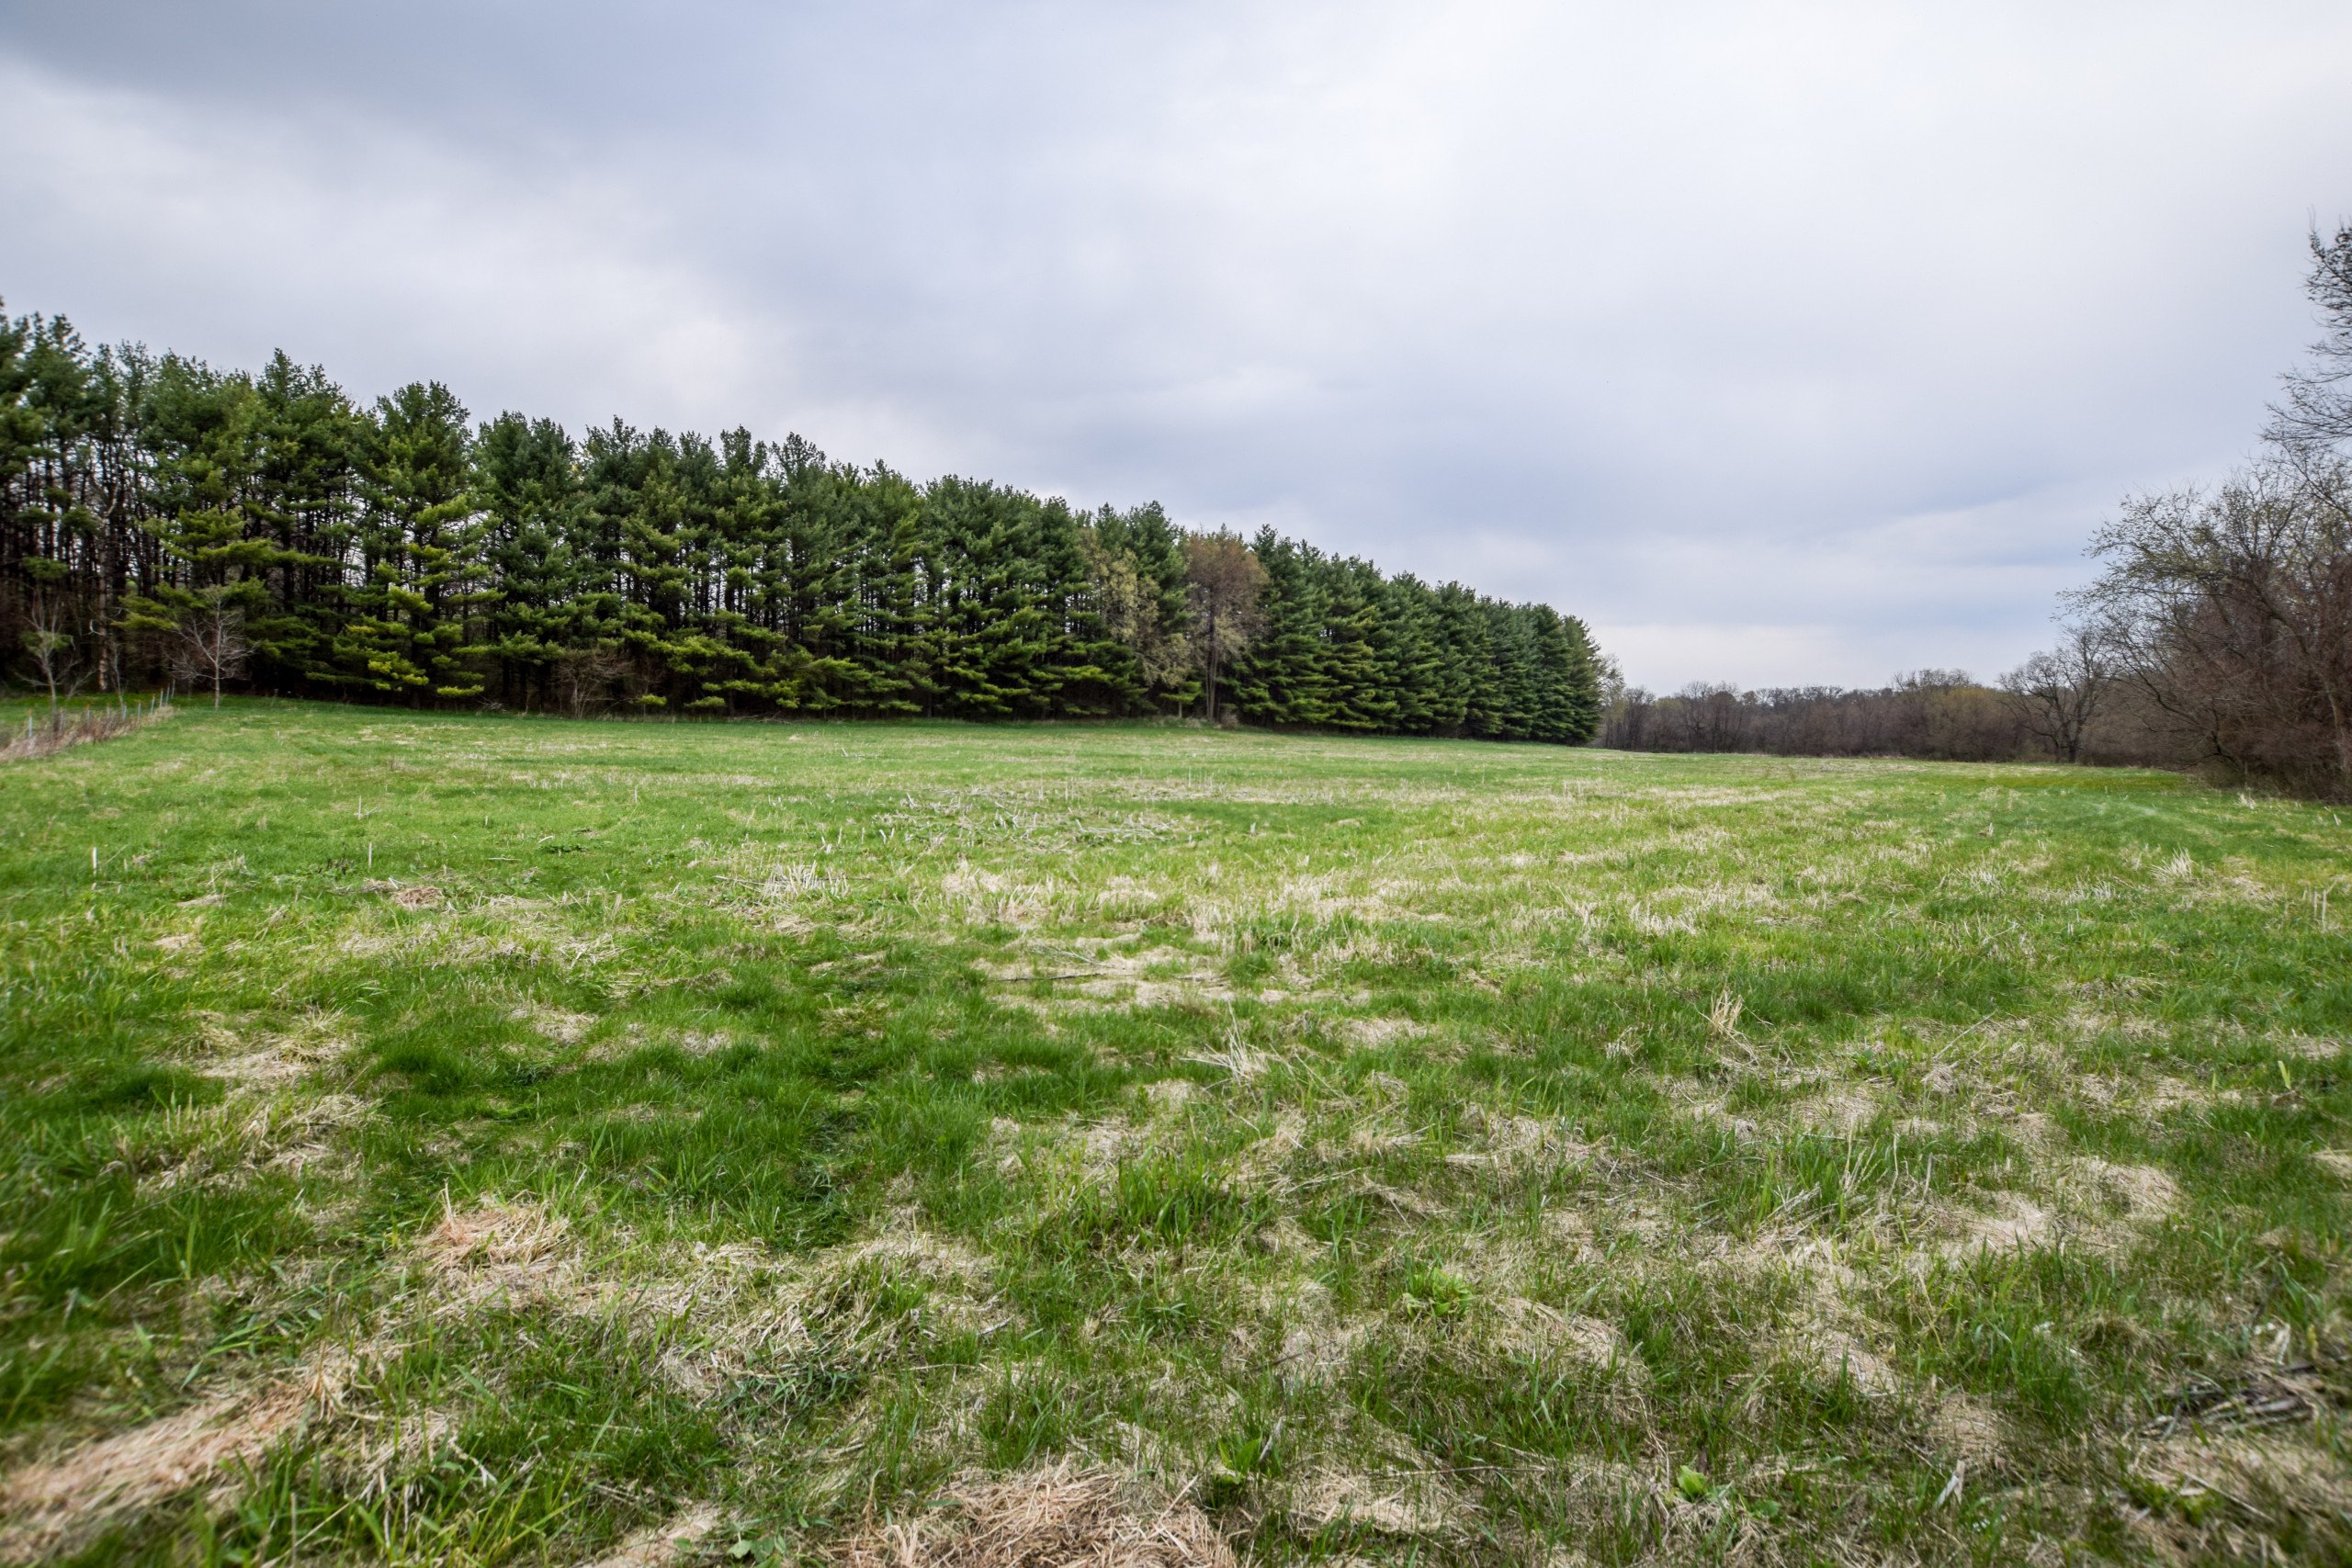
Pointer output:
x,y
448,1139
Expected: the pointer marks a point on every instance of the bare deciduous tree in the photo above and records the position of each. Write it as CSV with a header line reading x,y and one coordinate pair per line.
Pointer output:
x,y
2317,415
2230,614
1929,712
48,643
584,676
1226,581
2058,692
211,647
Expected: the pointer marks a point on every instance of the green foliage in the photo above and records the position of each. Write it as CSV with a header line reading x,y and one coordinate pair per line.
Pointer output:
x,y
399,554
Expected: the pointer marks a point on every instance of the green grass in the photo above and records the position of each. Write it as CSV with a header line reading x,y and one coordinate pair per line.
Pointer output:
x,y
1405,1151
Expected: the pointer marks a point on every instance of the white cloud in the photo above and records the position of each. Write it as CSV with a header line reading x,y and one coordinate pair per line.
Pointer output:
x,y
1784,344
389,257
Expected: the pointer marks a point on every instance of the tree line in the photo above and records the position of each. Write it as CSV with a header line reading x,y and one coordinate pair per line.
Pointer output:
x,y
163,521
1940,714
2217,635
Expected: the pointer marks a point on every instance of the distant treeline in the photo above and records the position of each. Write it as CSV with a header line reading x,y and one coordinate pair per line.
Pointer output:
x,y
2047,710
2068,706
160,520
1934,713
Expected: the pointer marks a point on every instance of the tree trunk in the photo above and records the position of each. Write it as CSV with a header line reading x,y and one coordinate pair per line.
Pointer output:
x,y
1212,663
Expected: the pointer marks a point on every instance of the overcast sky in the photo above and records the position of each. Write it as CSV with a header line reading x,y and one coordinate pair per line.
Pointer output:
x,y
1783,344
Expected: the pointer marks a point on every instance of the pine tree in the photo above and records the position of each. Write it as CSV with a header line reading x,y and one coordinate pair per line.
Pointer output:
x,y
421,611
1413,659
302,500
529,486
843,591
394,553
1356,663
220,520
1515,662
1095,672
1281,680
1582,683
1468,700
900,653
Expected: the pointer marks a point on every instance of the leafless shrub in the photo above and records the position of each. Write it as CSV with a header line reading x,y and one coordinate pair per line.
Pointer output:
x,y
211,646
2059,692
2229,614
584,678
48,643
2316,419
79,729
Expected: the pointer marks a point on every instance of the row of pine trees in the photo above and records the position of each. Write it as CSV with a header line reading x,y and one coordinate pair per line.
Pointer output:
x,y
400,553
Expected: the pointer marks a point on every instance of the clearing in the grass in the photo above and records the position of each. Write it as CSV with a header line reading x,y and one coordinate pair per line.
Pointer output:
x,y
475,1139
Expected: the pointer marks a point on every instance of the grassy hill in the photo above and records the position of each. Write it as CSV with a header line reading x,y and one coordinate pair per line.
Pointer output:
x,y
465,1139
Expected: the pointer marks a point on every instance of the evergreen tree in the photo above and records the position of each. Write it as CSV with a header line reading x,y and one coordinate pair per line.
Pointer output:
x,y
528,487
1282,679
300,509
1467,699
1412,657
421,610
157,516
213,518
898,635
1095,671
1358,662
1517,658
833,550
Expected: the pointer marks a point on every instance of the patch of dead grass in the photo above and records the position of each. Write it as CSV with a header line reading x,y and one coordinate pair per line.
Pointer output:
x,y
1970,1431
562,1027
1525,1146
1066,1514
2096,1203
516,1252
2146,1195
658,1546
1375,1031
1837,1353
50,1508
2274,1484
1407,1503
1531,1328
1096,977
315,1040
2016,1224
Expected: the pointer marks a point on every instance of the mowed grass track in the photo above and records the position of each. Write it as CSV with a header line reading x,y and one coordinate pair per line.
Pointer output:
x,y
452,1139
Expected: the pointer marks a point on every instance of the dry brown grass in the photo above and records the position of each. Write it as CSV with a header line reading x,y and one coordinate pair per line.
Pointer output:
x,y
1064,1517
2239,1493
1407,1503
658,1546
517,1252
51,1507
81,729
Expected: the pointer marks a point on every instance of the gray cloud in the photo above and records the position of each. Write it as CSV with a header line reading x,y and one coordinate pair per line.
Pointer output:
x,y
1784,344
